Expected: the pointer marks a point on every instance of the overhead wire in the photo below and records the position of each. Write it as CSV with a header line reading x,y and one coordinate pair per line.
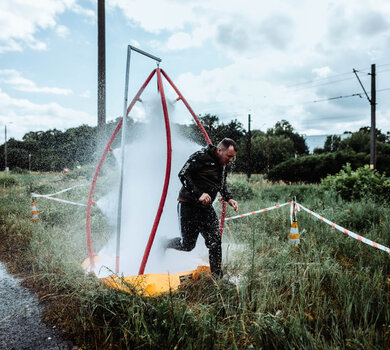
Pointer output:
x,y
360,94
362,70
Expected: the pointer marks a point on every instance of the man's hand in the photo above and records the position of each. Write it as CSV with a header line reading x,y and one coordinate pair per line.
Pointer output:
x,y
205,199
233,204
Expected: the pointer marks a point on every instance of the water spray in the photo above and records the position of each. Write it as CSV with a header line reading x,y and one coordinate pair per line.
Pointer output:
x,y
123,144
122,123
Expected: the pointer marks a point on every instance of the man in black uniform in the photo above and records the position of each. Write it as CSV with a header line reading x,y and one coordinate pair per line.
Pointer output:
x,y
203,176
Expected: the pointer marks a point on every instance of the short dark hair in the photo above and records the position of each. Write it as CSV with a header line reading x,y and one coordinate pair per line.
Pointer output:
x,y
226,143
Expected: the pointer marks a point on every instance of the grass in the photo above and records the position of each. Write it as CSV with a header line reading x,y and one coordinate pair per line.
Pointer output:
x,y
330,293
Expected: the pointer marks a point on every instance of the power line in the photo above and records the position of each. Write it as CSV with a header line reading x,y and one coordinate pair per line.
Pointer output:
x,y
365,70
346,96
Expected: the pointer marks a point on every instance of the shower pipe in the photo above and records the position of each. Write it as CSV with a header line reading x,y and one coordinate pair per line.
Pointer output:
x,y
108,147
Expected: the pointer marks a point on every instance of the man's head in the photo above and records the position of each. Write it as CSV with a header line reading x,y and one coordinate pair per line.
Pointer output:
x,y
226,151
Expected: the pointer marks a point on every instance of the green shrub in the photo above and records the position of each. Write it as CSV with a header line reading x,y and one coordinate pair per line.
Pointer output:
x,y
241,190
358,184
7,181
18,170
313,168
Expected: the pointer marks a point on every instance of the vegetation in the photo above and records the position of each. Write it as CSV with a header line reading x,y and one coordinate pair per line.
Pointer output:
x,y
280,151
330,293
360,184
313,168
335,154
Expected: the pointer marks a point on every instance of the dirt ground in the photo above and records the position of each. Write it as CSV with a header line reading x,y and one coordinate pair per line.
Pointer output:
x,y
20,320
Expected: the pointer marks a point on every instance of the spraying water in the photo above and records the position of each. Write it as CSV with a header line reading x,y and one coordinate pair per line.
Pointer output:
x,y
142,186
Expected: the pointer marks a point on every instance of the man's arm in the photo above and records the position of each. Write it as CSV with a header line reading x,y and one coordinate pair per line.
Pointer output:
x,y
186,176
226,195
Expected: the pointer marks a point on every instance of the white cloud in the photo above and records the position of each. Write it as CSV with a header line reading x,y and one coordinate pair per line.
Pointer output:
x,y
86,94
16,81
88,13
156,15
62,31
28,116
22,20
322,72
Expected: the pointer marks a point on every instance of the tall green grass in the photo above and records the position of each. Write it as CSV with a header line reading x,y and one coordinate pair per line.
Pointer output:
x,y
330,293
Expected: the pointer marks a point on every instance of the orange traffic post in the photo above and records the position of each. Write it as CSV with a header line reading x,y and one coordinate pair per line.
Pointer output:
x,y
34,212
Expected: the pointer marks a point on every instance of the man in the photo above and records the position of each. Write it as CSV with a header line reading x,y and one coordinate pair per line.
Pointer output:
x,y
203,176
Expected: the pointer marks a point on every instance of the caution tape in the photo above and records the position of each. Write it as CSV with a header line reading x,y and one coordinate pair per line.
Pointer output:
x,y
65,201
54,194
51,196
257,211
347,232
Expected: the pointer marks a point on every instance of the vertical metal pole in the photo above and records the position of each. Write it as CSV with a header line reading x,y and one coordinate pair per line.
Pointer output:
x,y
267,153
294,209
5,148
373,127
122,162
101,93
249,142
29,162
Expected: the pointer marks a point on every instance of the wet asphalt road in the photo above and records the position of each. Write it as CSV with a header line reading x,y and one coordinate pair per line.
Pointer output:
x,y
20,322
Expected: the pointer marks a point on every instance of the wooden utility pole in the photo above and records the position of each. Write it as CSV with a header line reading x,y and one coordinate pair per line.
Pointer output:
x,y
248,148
268,153
101,93
5,148
373,112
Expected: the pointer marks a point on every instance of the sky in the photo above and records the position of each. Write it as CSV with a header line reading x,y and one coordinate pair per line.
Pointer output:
x,y
275,60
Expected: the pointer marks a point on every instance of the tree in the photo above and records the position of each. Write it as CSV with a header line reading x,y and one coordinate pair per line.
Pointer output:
x,y
332,143
216,130
285,129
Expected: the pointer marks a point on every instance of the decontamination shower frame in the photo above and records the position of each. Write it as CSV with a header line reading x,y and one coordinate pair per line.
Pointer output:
x,y
122,123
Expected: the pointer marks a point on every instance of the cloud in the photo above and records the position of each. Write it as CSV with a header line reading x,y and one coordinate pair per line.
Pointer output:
x,y
87,13
62,31
28,116
156,15
22,20
322,72
86,94
17,82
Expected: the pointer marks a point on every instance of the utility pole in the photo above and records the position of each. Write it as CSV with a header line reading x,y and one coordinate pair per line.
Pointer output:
x,y
5,148
372,101
101,93
248,148
373,112
267,153
29,162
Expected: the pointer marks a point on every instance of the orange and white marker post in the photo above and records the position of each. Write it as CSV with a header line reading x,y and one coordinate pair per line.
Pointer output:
x,y
34,212
293,237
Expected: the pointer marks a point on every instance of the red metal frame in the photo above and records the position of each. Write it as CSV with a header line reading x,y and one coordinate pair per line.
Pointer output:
x,y
167,175
167,171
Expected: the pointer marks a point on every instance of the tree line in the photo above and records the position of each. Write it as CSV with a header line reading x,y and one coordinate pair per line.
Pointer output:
x,y
280,152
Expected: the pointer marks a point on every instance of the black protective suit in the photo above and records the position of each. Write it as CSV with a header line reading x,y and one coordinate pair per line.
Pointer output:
x,y
202,173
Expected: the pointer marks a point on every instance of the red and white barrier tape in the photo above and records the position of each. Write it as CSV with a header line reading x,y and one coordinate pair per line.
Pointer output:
x,y
54,194
65,201
347,232
257,211
50,196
